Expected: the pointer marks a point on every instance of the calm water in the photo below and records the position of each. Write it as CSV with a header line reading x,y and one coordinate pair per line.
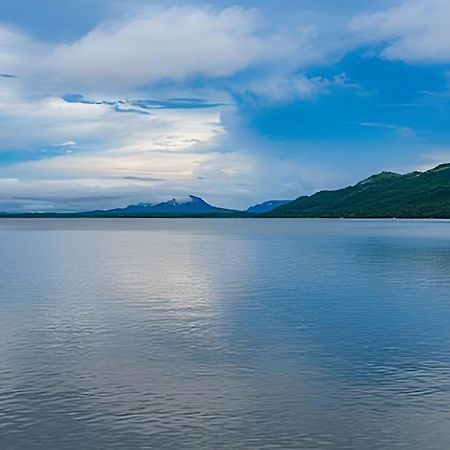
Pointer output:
x,y
224,334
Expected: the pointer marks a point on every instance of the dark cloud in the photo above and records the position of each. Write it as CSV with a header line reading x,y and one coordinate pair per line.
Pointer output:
x,y
142,106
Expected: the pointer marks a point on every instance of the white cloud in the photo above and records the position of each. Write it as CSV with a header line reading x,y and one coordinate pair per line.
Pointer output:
x,y
157,44
16,49
173,43
414,31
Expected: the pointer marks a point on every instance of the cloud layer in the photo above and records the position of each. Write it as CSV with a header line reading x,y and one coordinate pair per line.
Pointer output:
x,y
155,44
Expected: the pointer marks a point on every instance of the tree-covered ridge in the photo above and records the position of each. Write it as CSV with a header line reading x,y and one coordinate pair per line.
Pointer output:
x,y
388,194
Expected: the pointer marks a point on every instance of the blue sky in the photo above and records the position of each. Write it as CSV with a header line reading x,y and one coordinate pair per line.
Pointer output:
x,y
109,102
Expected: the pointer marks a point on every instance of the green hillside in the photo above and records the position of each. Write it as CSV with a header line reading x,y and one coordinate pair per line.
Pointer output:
x,y
388,194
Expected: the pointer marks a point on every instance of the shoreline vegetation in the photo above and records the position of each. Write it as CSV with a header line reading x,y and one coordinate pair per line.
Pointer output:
x,y
387,195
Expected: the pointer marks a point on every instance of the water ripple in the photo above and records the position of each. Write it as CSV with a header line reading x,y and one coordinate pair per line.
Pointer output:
x,y
217,334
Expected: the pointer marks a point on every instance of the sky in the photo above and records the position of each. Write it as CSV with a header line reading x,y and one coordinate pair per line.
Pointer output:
x,y
105,103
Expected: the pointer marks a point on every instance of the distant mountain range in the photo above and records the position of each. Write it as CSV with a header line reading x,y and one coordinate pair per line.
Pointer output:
x,y
190,206
266,207
385,195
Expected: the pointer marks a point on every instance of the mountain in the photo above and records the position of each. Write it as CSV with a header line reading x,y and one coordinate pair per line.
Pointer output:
x,y
266,207
186,207
387,194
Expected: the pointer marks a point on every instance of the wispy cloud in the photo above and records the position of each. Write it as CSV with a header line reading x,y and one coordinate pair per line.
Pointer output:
x,y
405,132
284,88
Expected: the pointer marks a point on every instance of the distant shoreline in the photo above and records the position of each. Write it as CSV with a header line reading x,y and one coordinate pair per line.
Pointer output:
x,y
386,195
248,216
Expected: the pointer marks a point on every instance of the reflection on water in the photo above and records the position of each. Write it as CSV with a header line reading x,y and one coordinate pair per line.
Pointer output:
x,y
309,334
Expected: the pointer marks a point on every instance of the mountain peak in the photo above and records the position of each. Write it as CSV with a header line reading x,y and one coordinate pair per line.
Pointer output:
x,y
445,166
382,176
184,200
194,198
190,205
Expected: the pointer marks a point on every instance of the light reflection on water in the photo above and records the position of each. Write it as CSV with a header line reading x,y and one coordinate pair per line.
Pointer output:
x,y
309,334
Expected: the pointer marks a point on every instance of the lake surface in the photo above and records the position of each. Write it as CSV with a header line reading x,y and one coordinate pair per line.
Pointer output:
x,y
224,334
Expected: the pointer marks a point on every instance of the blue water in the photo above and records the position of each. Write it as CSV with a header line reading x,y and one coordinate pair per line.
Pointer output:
x,y
224,334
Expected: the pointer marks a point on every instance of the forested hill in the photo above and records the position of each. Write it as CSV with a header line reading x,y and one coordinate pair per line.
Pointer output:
x,y
388,194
